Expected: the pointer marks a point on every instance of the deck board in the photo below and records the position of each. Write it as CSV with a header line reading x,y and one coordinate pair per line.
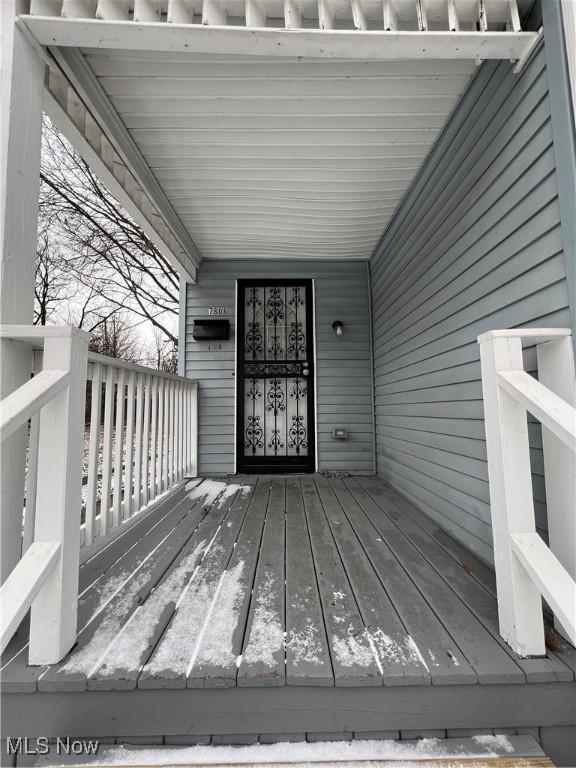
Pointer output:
x,y
263,653
399,660
216,664
353,658
196,594
445,660
489,660
174,655
307,653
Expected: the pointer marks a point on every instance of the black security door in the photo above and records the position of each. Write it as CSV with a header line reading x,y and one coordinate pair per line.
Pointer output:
x,y
275,376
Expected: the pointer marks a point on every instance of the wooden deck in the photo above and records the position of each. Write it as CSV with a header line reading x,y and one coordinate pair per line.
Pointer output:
x,y
291,584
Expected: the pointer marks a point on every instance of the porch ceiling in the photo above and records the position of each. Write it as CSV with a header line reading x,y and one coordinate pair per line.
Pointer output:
x,y
281,157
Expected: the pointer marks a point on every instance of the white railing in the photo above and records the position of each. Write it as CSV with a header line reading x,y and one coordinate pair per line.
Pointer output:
x,y
526,568
46,578
131,438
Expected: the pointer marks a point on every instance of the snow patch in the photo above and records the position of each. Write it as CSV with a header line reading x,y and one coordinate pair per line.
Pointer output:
x,y
267,634
499,742
210,490
216,647
178,645
130,646
305,645
329,753
353,650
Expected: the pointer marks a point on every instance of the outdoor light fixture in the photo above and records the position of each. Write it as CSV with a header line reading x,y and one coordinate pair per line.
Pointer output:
x,y
338,327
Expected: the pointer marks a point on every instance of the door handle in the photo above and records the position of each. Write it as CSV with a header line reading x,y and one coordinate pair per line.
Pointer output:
x,y
305,371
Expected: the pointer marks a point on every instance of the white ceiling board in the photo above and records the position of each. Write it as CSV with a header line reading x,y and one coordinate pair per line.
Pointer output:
x,y
274,158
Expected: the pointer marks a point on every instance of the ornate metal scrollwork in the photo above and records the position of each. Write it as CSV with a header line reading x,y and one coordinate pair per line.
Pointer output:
x,y
275,397
275,305
253,434
297,433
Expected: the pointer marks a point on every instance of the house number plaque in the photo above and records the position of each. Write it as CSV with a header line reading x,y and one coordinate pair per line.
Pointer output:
x,y
221,310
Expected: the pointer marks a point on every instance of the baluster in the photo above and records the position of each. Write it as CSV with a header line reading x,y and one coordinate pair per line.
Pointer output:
x,y
129,457
160,438
146,446
30,513
107,449
118,451
166,436
138,443
194,429
93,454
154,437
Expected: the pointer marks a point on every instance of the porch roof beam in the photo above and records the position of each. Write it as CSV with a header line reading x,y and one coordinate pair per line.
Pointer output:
x,y
73,100
314,43
67,111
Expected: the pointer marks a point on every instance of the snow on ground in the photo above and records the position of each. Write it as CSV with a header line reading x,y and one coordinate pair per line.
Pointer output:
x,y
266,635
408,754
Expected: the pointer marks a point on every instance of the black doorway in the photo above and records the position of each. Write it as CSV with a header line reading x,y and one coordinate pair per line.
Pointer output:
x,y
275,428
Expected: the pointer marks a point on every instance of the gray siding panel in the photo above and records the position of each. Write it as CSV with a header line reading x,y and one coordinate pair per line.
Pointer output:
x,y
476,245
343,365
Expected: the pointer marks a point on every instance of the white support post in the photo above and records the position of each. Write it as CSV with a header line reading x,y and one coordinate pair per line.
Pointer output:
x,y
180,12
22,85
193,469
556,371
512,506
213,13
53,615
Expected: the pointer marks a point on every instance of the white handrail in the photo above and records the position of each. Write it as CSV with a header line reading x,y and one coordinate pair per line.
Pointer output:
x,y
46,578
526,569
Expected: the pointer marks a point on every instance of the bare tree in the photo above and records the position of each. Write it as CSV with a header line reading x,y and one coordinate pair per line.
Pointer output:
x,y
115,337
114,267
164,354
52,287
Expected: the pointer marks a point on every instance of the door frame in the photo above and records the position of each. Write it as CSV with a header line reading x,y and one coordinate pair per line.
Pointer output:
x,y
292,463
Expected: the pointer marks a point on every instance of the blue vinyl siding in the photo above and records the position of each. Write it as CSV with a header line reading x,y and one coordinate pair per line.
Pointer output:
x,y
343,365
476,245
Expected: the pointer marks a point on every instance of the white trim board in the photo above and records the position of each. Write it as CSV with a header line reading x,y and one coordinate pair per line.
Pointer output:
x,y
346,44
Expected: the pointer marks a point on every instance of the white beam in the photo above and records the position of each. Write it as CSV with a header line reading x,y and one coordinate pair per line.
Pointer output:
x,y
21,86
390,19
71,117
292,15
86,84
255,14
358,15
27,400
314,43
325,15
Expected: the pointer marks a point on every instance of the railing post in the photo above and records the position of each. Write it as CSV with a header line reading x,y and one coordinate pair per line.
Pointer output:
x,y
512,506
193,426
59,497
556,371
